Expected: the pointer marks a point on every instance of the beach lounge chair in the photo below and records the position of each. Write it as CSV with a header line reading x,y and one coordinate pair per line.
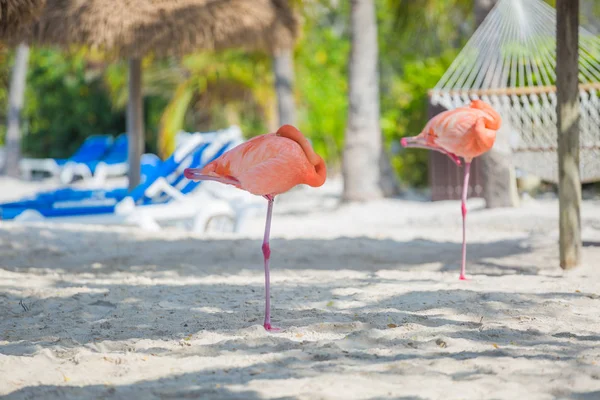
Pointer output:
x,y
84,198
149,163
181,203
192,198
113,163
141,206
92,149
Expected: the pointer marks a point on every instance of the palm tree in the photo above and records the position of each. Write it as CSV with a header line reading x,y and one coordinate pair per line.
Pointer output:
x,y
15,104
283,71
363,140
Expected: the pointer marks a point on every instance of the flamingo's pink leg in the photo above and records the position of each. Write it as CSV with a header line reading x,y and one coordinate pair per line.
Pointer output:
x,y
464,220
267,254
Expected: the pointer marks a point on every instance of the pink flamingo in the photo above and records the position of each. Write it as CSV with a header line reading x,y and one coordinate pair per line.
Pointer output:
x,y
465,132
267,165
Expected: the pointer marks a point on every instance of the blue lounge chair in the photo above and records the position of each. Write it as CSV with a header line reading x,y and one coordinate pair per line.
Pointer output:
x,y
92,149
149,163
63,198
113,163
111,206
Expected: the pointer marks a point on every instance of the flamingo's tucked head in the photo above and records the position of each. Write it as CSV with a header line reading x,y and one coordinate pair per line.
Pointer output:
x,y
320,175
488,123
484,140
492,119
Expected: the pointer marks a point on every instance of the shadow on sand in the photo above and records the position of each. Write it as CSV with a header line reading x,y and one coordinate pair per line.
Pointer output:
x,y
169,318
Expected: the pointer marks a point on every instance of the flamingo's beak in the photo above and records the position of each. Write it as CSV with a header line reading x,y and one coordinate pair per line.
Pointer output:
x,y
193,173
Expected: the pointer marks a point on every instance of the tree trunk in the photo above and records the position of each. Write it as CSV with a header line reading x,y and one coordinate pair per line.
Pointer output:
x,y
283,68
135,122
362,150
499,179
16,95
567,109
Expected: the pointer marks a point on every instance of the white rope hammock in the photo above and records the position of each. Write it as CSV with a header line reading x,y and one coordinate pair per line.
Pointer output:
x,y
510,63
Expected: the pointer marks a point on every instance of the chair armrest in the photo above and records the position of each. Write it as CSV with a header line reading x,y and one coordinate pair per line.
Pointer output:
x,y
162,186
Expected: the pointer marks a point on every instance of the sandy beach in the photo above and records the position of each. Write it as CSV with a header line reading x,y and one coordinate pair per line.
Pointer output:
x,y
367,296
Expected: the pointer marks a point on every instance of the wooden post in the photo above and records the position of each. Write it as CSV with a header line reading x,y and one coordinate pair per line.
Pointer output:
x,y
567,109
283,69
16,95
135,121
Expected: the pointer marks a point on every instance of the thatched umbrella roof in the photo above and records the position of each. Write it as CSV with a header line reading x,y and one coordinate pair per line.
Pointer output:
x,y
14,14
133,28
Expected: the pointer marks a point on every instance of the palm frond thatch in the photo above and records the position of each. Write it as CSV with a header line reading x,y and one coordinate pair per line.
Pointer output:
x,y
134,28
14,14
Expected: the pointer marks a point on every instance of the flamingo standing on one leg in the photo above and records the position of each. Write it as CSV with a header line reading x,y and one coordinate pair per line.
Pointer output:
x,y
267,165
465,132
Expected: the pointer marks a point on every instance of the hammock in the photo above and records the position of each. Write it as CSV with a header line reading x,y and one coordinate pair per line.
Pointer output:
x,y
510,62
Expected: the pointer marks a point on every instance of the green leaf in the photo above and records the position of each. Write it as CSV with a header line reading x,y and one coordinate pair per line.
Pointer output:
x,y
173,117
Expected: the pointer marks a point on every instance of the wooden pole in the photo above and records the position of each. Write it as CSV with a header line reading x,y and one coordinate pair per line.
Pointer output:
x,y
135,121
516,91
567,108
283,69
16,95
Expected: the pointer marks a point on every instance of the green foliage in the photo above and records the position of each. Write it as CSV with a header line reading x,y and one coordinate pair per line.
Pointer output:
x,y
404,111
173,118
63,105
425,27
321,78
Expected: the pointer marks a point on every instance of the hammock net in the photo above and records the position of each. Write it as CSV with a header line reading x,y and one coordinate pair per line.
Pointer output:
x,y
510,63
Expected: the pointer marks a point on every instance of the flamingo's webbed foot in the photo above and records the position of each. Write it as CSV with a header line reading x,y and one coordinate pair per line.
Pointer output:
x,y
270,328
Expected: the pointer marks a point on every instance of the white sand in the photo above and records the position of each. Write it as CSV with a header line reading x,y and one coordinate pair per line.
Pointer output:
x,y
368,297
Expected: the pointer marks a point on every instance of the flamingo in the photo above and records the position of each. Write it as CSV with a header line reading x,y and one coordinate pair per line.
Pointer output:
x,y
267,165
465,132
